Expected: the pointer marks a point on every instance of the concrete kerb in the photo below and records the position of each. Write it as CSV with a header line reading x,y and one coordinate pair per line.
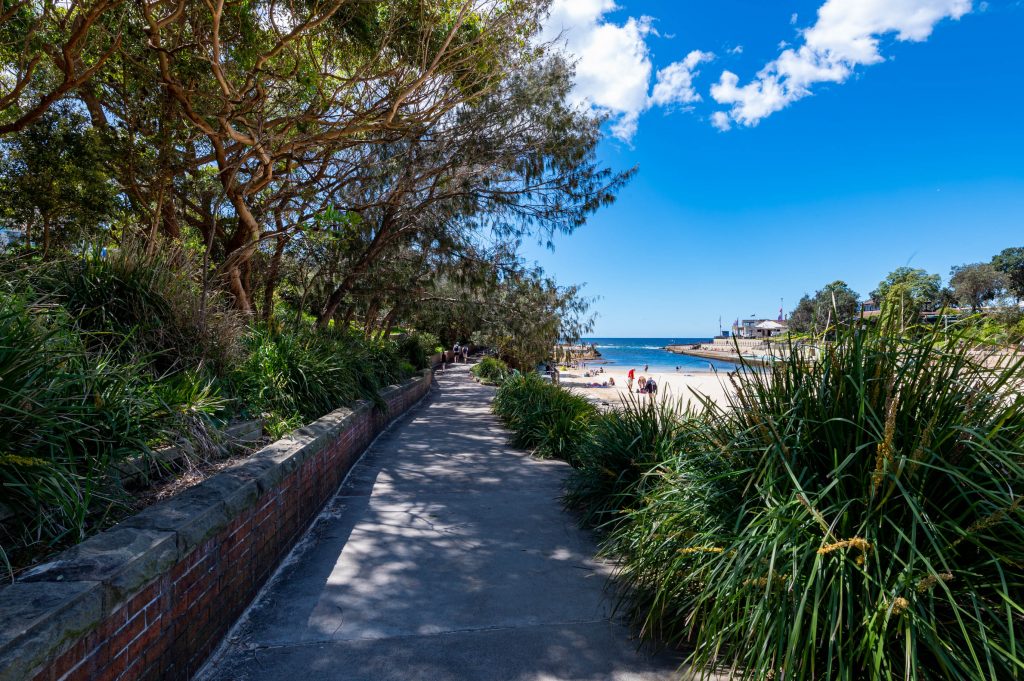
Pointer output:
x,y
309,535
56,603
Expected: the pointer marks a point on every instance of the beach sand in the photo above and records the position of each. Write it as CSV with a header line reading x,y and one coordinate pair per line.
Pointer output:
x,y
671,385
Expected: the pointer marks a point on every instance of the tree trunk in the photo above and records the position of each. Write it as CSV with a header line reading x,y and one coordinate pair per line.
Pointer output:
x,y
273,273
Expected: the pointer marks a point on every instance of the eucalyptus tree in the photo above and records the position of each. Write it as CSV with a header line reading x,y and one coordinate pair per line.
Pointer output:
x,y
835,303
916,288
54,181
1010,261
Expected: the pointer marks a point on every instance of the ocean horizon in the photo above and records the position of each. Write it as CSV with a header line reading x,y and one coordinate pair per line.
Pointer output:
x,y
636,352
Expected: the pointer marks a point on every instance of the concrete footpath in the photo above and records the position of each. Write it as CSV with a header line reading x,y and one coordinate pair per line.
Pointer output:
x,y
445,556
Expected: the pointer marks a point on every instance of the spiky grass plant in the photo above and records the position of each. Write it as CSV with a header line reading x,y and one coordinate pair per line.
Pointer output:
x,y
616,460
490,370
68,415
544,418
861,517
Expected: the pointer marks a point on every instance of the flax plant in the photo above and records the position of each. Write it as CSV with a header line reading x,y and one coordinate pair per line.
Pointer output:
x,y
617,459
859,517
548,420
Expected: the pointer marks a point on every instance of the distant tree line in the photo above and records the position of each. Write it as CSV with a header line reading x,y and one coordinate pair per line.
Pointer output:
x,y
972,286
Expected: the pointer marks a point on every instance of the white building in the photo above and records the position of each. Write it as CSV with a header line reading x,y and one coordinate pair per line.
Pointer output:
x,y
759,328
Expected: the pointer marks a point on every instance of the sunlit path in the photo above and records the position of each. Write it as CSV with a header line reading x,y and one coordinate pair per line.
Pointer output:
x,y
446,555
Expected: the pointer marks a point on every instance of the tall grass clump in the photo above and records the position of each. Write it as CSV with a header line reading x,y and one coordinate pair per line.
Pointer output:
x,y
544,418
858,517
417,348
615,461
68,415
303,375
148,306
490,370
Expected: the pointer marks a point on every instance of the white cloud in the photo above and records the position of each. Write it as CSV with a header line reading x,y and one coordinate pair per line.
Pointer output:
x,y
736,50
794,18
675,82
720,120
846,35
613,63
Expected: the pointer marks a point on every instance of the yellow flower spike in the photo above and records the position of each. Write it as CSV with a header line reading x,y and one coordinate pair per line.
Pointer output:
x,y
862,545
701,549
23,461
929,582
900,606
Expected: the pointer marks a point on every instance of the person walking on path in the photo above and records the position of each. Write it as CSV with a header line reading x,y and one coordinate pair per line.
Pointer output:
x,y
455,353
465,353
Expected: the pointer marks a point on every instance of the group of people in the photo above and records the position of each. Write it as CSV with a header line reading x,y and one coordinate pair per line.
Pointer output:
x,y
644,386
458,353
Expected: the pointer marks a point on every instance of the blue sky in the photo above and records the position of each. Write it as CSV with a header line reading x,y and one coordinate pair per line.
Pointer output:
x,y
884,133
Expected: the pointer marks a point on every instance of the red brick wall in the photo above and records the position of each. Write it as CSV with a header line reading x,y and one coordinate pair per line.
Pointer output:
x,y
169,628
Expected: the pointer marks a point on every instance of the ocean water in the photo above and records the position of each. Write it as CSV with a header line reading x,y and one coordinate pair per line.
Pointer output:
x,y
636,352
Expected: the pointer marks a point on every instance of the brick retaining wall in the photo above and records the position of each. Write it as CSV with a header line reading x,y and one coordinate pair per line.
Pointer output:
x,y
153,596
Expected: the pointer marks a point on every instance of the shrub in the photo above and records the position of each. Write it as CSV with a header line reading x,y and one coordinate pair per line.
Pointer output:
x,y
859,517
623,447
67,415
490,370
146,307
309,373
418,348
549,420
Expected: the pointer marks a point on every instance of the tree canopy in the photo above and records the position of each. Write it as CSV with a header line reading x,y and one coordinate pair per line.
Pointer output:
x,y
350,163
976,284
918,288
834,304
1010,262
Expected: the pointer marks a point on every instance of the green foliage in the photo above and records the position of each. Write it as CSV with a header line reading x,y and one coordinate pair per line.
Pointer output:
x,y
54,181
490,370
1010,262
69,414
835,303
616,460
544,418
146,306
976,284
308,374
916,288
418,348
102,359
855,518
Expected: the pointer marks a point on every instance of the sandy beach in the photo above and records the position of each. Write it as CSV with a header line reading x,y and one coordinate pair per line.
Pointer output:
x,y
671,385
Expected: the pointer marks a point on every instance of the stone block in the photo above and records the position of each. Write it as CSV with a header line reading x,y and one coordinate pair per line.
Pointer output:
x,y
38,619
123,560
195,515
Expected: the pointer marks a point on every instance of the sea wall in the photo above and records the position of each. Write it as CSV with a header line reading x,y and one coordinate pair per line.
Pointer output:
x,y
153,596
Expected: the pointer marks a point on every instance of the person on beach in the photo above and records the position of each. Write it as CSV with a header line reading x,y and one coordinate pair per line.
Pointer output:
x,y
629,379
645,367
641,384
652,387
